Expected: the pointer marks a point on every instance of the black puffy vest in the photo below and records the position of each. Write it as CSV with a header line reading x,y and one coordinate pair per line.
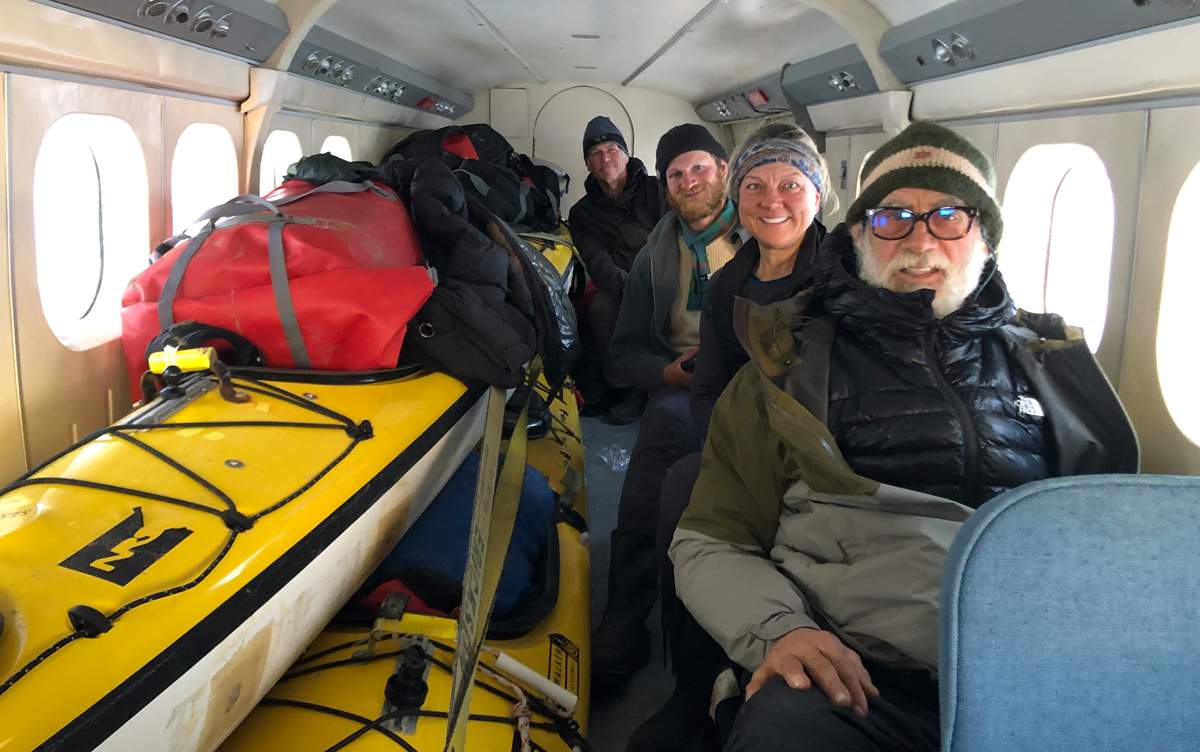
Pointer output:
x,y
930,405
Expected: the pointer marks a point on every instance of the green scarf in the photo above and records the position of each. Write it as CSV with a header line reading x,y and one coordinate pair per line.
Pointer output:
x,y
698,242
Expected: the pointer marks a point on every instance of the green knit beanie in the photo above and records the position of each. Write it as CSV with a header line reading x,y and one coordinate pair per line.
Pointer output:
x,y
929,156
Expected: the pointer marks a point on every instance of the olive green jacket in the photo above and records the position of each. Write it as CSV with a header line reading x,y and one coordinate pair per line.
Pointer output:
x,y
781,534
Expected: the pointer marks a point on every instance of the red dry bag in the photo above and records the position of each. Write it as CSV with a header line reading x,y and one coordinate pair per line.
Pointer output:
x,y
329,285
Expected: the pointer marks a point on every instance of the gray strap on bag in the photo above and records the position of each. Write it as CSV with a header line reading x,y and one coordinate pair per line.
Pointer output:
x,y
524,195
166,317
481,187
283,295
277,260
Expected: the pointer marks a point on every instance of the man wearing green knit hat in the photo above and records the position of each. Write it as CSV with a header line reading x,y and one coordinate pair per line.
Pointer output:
x,y
878,411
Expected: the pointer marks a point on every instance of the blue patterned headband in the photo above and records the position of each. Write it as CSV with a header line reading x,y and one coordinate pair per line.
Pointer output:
x,y
796,153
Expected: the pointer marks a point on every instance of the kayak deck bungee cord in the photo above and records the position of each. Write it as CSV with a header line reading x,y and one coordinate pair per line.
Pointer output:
x,y
339,694
160,574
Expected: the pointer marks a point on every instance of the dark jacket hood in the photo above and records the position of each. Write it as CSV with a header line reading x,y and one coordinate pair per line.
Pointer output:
x,y
635,171
861,307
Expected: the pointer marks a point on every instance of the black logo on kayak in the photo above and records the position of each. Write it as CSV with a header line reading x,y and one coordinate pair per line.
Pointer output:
x,y
564,663
121,554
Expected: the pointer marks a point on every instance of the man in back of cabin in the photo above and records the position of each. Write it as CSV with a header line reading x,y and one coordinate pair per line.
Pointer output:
x,y
609,225
842,460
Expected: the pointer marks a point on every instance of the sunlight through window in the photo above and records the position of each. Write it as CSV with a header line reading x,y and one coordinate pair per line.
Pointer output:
x,y
1058,235
281,151
1178,358
204,173
861,168
338,146
89,240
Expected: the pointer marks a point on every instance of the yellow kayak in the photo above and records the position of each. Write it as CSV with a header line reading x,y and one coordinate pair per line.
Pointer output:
x,y
335,696
159,577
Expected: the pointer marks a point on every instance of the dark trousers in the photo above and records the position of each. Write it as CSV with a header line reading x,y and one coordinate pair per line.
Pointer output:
x,y
781,719
602,315
676,492
666,434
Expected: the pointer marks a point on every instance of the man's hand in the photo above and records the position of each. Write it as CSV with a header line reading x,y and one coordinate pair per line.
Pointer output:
x,y
805,656
674,375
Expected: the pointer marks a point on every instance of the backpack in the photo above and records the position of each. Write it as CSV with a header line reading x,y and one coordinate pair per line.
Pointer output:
x,y
510,185
329,285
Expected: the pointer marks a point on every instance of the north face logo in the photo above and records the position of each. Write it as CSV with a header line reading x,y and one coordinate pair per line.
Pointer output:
x,y
923,155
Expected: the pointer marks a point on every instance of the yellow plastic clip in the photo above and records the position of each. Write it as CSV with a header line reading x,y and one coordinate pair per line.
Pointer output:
x,y
188,361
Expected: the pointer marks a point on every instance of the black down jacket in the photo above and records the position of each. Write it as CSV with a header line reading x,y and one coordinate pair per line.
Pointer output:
x,y
609,232
931,405
476,325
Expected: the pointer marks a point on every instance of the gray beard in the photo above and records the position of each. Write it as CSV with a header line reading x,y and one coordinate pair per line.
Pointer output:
x,y
959,282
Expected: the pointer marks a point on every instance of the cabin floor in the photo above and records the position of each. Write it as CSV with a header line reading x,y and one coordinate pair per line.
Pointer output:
x,y
614,717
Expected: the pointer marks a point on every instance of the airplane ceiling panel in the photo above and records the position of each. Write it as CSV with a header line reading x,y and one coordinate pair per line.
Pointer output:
x,y
741,41
586,40
440,38
899,11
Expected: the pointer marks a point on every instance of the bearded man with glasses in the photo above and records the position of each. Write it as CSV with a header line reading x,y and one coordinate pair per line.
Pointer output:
x,y
876,414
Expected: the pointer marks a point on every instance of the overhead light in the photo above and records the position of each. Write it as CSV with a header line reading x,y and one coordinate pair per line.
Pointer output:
x,y
836,82
585,36
585,67
941,52
220,29
347,75
722,109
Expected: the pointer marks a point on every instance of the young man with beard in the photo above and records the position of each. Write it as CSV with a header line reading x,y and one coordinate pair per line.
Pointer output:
x,y
655,343
609,225
842,460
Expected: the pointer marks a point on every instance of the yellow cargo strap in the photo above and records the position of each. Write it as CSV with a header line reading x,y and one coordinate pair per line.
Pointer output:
x,y
491,528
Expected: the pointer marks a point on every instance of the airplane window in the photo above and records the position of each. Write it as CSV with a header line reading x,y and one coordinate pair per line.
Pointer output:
x,y
1058,235
338,146
204,173
861,167
281,151
1178,360
89,240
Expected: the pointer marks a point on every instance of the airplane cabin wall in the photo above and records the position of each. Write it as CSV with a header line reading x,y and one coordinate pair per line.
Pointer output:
x,y
12,444
558,113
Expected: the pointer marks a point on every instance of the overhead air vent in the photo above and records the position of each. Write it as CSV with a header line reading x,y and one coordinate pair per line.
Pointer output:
x,y
334,60
970,34
246,29
840,74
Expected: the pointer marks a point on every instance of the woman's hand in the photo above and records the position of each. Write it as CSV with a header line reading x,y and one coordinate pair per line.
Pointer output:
x,y
805,656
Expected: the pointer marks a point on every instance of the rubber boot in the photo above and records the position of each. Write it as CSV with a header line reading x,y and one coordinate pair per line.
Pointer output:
x,y
697,660
627,409
621,644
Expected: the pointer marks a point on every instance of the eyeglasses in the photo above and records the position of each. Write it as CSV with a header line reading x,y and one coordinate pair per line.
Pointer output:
x,y
944,223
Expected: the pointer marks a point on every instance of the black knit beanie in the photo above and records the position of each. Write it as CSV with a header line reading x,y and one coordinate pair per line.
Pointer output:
x,y
601,130
929,156
680,140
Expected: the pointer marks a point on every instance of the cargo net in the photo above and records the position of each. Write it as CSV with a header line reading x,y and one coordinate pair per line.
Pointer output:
x,y
526,706
90,622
